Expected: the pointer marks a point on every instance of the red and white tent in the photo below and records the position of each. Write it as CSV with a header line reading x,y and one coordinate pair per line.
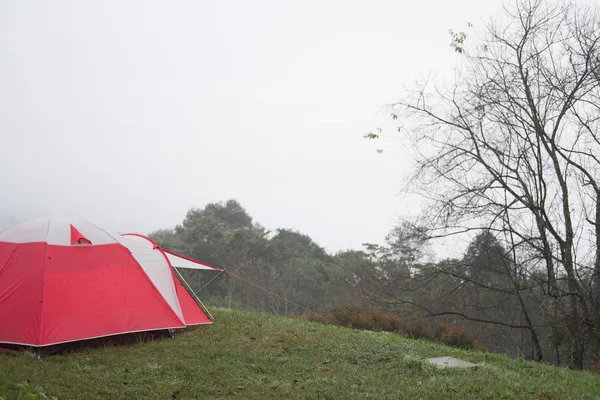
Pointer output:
x,y
63,280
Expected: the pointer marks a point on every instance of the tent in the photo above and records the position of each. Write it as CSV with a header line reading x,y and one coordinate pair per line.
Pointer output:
x,y
63,279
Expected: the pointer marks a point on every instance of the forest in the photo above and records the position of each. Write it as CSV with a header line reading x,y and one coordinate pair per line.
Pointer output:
x,y
376,287
506,154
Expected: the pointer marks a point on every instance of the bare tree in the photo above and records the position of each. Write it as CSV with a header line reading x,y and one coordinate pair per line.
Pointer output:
x,y
514,147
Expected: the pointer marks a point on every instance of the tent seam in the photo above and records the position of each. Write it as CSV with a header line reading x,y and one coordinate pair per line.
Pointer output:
x,y
11,254
44,282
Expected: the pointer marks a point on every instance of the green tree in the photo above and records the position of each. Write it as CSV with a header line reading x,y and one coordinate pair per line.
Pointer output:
x,y
300,269
220,234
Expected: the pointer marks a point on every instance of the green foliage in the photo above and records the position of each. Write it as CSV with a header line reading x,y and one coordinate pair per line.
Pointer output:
x,y
457,40
28,392
260,356
558,335
371,135
487,262
286,262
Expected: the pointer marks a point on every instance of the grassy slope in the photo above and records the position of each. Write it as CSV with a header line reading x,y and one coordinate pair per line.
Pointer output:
x,y
255,356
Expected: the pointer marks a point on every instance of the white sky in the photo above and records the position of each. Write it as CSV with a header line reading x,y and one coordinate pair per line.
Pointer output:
x,y
128,113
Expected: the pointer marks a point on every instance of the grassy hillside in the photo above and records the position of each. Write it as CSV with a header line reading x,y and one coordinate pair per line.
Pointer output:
x,y
254,356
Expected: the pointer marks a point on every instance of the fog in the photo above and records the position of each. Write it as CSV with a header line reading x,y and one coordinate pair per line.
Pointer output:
x,y
128,113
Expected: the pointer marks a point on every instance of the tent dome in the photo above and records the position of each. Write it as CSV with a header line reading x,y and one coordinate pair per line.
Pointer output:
x,y
63,279
56,230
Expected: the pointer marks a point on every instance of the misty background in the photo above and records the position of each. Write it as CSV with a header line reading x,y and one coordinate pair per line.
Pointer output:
x,y
128,113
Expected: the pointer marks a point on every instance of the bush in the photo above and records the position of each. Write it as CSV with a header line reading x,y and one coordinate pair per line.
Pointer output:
x,y
456,336
418,329
360,317
354,316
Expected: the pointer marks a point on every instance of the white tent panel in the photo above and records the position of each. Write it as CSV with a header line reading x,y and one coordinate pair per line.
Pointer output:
x,y
54,230
155,265
179,262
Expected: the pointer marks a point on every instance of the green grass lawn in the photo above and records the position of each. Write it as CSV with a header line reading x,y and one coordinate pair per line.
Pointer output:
x,y
260,356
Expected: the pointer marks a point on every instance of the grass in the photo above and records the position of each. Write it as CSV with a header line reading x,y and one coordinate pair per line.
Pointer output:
x,y
259,356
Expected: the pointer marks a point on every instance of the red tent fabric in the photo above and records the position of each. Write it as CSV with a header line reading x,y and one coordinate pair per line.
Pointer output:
x,y
192,314
77,237
157,262
54,289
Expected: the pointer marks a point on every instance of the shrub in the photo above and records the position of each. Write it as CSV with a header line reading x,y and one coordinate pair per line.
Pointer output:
x,y
371,319
418,329
359,317
368,319
456,336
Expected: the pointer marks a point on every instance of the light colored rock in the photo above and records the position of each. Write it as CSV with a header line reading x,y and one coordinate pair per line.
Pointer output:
x,y
450,362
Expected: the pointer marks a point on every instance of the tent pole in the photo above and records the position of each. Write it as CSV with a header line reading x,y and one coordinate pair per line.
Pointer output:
x,y
189,288
204,287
